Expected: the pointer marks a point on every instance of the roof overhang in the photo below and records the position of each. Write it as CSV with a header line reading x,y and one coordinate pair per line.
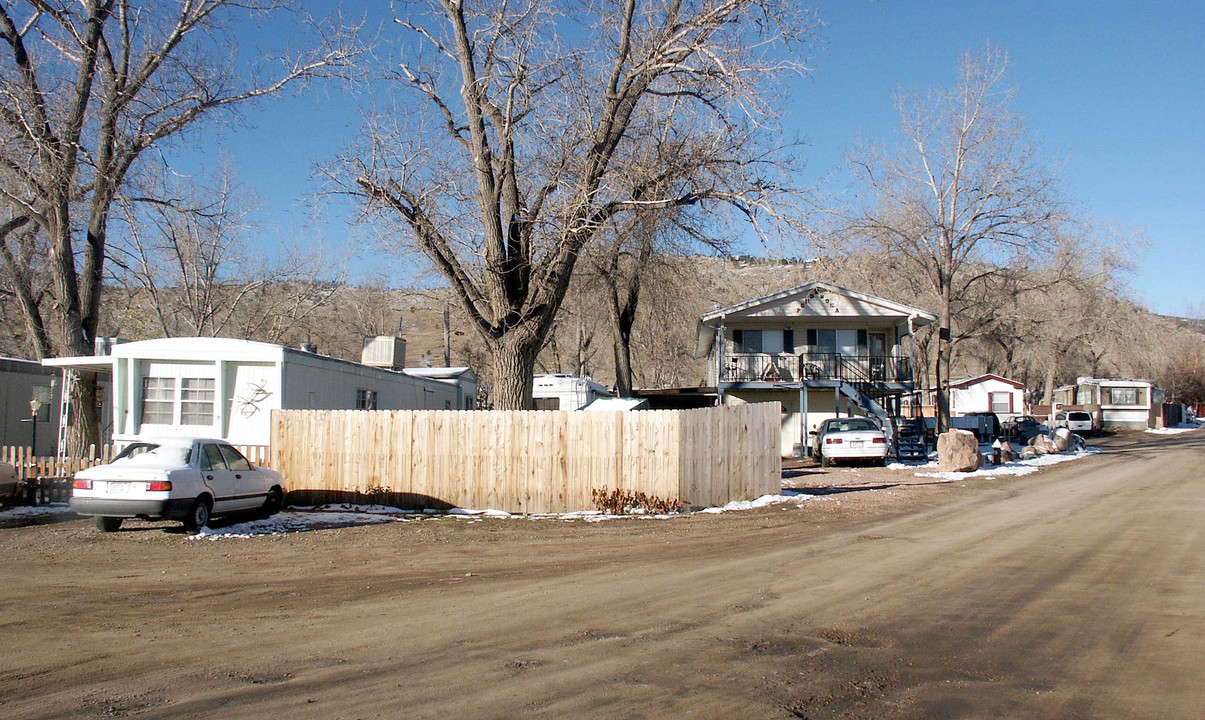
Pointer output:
x,y
91,363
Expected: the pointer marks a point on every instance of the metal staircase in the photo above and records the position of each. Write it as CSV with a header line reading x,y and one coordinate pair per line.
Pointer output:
x,y
872,406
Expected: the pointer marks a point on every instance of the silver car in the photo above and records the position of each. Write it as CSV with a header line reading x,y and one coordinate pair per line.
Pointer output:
x,y
188,479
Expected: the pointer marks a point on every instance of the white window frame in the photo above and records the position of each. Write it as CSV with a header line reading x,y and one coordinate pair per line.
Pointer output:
x,y
175,392
165,396
202,394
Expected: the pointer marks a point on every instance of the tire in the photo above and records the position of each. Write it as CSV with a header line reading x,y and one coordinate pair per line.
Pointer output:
x,y
824,461
108,524
198,516
274,503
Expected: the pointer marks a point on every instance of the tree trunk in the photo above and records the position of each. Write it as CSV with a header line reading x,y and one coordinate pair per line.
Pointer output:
x,y
1049,391
514,367
84,432
944,350
622,320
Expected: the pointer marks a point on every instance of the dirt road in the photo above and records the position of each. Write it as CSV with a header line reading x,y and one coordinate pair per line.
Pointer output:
x,y
1078,592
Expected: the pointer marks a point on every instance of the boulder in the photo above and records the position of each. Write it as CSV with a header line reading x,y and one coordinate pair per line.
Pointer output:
x,y
958,451
1043,445
1062,440
1029,452
1007,454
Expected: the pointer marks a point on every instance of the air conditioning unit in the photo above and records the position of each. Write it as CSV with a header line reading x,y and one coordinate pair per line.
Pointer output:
x,y
384,351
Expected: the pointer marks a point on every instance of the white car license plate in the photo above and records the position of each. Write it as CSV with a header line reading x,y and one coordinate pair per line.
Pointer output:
x,y
115,488
855,443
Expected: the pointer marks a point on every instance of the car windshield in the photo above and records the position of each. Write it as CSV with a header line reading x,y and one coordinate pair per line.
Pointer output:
x,y
852,424
154,455
1079,416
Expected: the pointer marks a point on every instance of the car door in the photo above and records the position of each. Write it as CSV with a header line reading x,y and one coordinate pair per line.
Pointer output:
x,y
249,485
218,477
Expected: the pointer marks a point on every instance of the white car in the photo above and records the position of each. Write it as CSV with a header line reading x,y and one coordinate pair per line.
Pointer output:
x,y
849,438
1077,421
188,479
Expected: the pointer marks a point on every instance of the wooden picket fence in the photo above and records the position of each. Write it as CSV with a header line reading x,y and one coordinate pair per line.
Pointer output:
x,y
530,462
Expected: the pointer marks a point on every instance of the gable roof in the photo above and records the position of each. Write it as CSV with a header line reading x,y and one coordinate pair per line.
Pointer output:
x,y
807,291
963,384
808,300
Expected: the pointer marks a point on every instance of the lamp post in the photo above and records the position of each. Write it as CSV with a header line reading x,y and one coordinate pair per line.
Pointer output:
x,y
34,406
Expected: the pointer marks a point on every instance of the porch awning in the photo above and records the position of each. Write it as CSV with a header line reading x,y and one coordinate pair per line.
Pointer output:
x,y
93,363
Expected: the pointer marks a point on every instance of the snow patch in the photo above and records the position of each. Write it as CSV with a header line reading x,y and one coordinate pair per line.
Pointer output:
x,y
294,521
789,496
1017,468
1175,430
34,511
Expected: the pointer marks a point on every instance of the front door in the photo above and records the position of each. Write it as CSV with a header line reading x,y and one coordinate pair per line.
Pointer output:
x,y
878,355
218,477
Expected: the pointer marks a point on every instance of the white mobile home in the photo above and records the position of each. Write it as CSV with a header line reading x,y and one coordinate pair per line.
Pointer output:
x,y
226,388
562,391
1136,404
988,393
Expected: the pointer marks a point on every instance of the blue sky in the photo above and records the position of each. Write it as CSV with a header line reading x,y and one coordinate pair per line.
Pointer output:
x,y
1115,90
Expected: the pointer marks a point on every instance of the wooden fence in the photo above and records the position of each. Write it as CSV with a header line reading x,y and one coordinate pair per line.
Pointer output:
x,y
530,462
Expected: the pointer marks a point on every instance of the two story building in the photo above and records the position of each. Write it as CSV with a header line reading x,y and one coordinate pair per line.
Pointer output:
x,y
819,349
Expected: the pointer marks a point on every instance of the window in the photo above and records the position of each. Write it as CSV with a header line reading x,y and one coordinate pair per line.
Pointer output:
x,y
546,403
1123,396
1001,402
366,399
764,341
234,458
211,458
196,401
158,400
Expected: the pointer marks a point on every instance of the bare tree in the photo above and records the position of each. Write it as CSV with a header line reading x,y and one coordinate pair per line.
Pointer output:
x,y
86,89
189,254
966,195
544,122
186,251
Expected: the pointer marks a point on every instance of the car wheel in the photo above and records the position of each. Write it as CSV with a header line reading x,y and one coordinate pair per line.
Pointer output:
x,y
274,503
198,517
824,461
108,524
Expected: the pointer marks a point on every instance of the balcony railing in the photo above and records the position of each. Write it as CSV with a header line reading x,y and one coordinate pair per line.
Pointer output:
x,y
761,367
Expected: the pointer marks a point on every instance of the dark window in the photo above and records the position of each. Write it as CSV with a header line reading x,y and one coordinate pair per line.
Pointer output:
x,y
788,340
234,458
366,399
211,458
547,403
